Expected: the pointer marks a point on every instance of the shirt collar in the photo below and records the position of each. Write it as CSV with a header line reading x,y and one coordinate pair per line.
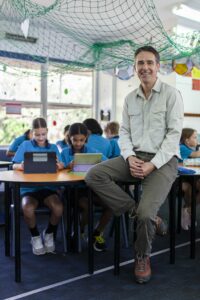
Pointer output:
x,y
35,144
156,88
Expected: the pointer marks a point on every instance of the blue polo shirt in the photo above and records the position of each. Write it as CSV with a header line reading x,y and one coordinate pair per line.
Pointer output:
x,y
114,146
68,154
185,151
32,146
61,145
16,143
100,143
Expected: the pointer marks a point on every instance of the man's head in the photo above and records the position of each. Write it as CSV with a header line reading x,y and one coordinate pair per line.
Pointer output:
x,y
147,64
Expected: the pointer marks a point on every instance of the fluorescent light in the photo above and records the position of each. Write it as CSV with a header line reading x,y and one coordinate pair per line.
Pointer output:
x,y
187,12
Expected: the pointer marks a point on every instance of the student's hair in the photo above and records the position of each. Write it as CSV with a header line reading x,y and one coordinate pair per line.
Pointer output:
x,y
39,123
113,127
77,128
186,134
148,49
93,126
26,133
66,128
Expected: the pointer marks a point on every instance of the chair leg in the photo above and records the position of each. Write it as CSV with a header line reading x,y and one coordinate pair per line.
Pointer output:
x,y
124,230
117,246
12,230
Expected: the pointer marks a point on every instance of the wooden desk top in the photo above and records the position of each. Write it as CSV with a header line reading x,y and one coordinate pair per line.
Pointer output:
x,y
19,176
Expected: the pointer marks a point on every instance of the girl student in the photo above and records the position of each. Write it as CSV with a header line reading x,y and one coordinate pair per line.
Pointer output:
x,y
188,144
77,139
34,196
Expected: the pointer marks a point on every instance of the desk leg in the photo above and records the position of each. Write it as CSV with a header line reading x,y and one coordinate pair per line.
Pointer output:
x,y
90,234
17,234
76,220
7,203
172,218
69,218
193,220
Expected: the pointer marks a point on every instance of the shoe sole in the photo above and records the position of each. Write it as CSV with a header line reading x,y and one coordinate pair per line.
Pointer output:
x,y
50,250
97,249
141,280
39,252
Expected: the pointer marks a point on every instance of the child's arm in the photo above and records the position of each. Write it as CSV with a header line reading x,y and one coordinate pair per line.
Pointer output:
x,y
195,154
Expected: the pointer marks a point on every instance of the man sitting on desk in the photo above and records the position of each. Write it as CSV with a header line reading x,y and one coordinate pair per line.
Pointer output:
x,y
149,142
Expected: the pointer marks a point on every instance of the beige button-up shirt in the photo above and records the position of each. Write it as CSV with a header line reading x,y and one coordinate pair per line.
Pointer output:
x,y
152,125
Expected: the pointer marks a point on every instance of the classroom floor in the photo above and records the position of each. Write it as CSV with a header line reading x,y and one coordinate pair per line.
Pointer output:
x,y
58,276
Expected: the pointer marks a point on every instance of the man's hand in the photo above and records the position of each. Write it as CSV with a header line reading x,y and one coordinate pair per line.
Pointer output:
x,y
135,165
139,168
147,168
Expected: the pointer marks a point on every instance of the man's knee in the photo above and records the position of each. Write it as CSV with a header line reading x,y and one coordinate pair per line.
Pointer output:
x,y
95,173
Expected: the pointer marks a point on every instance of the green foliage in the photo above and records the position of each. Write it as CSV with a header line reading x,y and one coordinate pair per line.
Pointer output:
x,y
11,128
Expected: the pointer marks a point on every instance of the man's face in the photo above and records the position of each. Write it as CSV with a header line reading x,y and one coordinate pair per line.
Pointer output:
x,y
146,67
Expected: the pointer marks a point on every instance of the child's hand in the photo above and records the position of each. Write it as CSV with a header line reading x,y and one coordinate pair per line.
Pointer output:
x,y
19,167
70,165
60,165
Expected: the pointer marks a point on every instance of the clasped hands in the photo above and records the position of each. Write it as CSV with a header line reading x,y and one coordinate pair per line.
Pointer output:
x,y
139,168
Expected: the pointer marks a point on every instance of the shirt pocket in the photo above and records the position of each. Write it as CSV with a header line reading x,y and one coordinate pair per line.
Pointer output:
x,y
136,123
158,118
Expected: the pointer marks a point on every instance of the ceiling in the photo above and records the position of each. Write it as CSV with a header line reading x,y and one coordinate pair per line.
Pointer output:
x,y
91,33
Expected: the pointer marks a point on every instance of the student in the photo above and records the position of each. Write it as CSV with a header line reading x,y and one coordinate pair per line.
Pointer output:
x,y
32,197
112,134
61,144
188,144
77,138
17,142
95,138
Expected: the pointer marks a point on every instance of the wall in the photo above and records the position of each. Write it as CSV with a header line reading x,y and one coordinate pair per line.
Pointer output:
x,y
191,99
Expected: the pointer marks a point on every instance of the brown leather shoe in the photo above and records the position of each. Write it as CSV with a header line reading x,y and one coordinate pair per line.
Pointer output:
x,y
142,269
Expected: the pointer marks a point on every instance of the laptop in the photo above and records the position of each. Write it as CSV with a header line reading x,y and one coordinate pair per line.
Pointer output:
x,y
40,162
84,161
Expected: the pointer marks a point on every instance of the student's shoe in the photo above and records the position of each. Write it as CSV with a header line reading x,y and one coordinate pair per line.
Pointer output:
x,y
49,243
185,218
99,242
161,226
37,245
142,270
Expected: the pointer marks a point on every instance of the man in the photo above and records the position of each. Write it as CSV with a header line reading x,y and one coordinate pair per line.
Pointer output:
x,y
149,142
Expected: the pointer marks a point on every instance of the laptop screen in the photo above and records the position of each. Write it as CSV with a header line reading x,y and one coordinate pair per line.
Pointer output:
x,y
39,162
84,161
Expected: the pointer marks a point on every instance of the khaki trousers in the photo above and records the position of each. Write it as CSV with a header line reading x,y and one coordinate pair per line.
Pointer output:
x,y
102,180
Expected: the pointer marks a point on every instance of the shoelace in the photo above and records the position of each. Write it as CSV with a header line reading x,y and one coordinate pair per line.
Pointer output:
x,y
99,239
141,264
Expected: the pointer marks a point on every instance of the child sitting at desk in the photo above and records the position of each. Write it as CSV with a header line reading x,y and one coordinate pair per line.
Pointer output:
x,y
61,144
18,141
188,144
32,197
77,138
112,134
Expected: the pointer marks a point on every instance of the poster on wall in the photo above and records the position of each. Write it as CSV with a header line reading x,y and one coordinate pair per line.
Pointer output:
x,y
13,108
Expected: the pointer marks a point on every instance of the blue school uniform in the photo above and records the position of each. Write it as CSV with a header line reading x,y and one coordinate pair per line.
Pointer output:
x,y
67,154
61,145
185,151
114,146
32,146
100,143
17,142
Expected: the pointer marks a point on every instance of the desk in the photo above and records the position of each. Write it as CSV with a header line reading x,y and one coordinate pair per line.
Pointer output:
x,y
193,178
18,179
5,164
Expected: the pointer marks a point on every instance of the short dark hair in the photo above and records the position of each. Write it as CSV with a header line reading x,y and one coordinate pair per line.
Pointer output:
x,y
77,128
66,128
26,134
93,126
39,123
148,49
